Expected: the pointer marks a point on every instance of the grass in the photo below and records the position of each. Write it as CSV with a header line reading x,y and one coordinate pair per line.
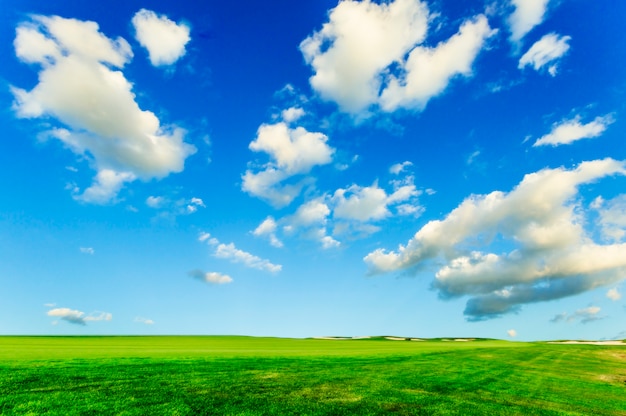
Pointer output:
x,y
270,376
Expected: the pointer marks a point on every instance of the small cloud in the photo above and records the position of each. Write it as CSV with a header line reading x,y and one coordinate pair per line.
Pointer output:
x,y
399,167
527,15
614,294
511,333
164,39
77,317
155,201
268,228
144,321
87,250
292,114
546,50
569,131
471,158
211,277
235,255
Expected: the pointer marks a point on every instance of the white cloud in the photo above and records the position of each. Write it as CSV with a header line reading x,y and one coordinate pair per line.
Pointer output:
x,y
371,202
292,114
233,254
399,167
292,152
612,217
614,294
144,321
527,15
211,277
552,255
155,201
87,250
164,39
268,228
81,85
511,333
569,131
428,71
77,317
546,50
585,315
362,49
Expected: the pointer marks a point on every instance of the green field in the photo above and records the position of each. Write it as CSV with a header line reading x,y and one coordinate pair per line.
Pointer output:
x,y
271,376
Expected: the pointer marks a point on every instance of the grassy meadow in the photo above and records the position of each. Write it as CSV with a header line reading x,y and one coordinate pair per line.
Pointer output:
x,y
274,376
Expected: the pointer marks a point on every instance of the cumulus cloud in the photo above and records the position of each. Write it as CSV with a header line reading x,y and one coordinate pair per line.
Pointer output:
x,y
214,278
541,219
546,50
363,48
268,229
527,15
82,87
77,317
144,321
235,255
312,216
164,39
584,316
399,167
569,131
511,333
614,294
292,151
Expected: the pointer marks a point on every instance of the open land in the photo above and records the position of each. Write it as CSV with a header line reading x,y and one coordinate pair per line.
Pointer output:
x,y
223,375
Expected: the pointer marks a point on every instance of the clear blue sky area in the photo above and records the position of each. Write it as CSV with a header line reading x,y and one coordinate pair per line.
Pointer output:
x,y
313,168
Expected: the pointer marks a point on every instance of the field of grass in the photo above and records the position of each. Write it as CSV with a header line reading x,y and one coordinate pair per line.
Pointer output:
x,y
270,376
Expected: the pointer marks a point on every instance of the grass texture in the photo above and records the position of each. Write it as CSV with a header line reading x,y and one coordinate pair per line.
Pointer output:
x,y
273,376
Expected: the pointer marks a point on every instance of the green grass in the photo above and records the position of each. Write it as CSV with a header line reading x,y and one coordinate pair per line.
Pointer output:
x,y
269,376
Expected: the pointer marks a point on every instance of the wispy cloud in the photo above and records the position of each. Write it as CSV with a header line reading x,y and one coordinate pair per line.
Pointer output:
x,y
584,316
77,317
526,15
144,321
546,50
87,250
235,255
569,131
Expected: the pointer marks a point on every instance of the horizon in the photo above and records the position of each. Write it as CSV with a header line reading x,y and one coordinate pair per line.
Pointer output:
x,y
293,168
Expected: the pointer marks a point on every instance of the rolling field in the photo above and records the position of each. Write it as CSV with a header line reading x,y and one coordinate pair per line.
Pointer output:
x,y
270,376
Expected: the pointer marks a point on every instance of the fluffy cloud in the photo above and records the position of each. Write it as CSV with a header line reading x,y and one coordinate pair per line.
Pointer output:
x,y
511,333
268,228
361,51
546,50
569,131
77,317
527,15
614,294
233,254
211,277
292,151
81,86
540,222
428,71
399,167
585,316
164,39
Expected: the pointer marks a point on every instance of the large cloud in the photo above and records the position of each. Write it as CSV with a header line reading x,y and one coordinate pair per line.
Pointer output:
x,y
538,229
80,86
362,50
292,151
527,15
164,39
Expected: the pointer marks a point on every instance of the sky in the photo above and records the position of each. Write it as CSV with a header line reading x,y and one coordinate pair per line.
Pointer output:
x,y
314,168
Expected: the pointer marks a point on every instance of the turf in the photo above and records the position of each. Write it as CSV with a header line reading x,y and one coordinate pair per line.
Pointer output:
x,y
271,376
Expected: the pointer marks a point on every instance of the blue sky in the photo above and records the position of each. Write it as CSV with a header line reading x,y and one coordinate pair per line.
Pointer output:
x,y
417,168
